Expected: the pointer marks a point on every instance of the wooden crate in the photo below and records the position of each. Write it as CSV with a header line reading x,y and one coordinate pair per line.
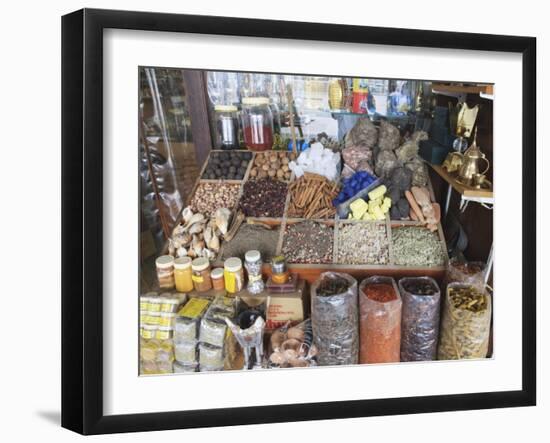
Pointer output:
x,y
310,272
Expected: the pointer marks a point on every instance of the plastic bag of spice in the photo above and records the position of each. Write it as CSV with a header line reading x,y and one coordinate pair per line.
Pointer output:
x,y
465,324
469,273
380,320
420,319
334,316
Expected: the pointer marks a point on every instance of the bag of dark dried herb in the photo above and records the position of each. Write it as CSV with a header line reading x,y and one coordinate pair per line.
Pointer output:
x,y
466,323
334,316
420,321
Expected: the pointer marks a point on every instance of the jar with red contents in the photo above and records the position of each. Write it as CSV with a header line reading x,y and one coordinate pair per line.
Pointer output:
x,y
257,123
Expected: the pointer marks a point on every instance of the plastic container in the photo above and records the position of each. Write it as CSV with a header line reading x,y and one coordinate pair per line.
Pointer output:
x,y
233,275
420,318
201,274
183,274
380,320
180,368
227,127
165,271
253,265
218,282
257,123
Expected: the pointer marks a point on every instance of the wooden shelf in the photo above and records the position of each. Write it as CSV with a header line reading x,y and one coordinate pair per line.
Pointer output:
x,y
464,190
462,89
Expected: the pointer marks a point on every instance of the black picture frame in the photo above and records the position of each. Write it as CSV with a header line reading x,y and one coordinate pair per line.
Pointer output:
x,y
82,215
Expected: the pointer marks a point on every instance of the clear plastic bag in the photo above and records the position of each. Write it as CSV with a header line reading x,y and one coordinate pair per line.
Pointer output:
x,y
464,332
335,322
468,273
186,352
212,332
380,320
420,318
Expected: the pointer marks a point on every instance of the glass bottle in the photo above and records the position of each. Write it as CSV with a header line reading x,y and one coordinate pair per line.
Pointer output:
x,y
227,127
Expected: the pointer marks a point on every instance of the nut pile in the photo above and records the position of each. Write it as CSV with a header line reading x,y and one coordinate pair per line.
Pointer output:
x,y
263,198
363,243
311,197
211,196
227,165
273,165
308,242
417,246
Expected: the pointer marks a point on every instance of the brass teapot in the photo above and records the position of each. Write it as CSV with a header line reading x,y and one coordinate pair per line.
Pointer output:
x,y
470,163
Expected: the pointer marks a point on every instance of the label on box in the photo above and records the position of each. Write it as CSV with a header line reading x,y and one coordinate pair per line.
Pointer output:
x,y
280,310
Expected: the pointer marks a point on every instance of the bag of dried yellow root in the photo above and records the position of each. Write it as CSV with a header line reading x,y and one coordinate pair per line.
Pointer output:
x,y
466,323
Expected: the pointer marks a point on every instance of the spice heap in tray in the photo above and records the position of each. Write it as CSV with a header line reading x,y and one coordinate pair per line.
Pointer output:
x,y
370,202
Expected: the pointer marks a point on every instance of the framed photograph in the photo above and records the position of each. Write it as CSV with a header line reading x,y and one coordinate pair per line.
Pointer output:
x,y
269,221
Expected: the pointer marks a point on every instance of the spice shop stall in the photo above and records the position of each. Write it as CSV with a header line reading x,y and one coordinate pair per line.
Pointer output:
x,y
296,221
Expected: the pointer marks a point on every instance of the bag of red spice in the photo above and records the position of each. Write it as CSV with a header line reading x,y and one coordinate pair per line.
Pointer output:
x,y
420,320
379,320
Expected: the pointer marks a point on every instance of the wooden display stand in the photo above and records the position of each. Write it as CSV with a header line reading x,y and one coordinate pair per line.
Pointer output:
x,y
310,272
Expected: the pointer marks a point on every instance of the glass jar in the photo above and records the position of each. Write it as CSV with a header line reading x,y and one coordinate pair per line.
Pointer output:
x,y
279,271
218,282
253,265
257,123
233,275
183,274
201,274
227,127
165,271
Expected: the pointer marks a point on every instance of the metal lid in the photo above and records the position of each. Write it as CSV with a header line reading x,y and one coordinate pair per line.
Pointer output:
x,y
233,264
182,262
255,101
217,273
225,108
164,261
252,256
200,264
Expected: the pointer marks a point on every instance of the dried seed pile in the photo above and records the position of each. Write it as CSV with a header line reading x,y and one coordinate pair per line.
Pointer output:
x,y
273,165
311,197
210,196
363,243
335,319
308,242
227,165
263,198
420,318
466,323
416,246
252,237
332,286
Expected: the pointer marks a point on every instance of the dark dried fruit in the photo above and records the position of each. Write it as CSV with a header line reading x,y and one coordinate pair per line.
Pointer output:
x,y
263,198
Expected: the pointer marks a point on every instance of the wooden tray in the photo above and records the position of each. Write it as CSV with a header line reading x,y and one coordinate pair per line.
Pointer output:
x,y
311,272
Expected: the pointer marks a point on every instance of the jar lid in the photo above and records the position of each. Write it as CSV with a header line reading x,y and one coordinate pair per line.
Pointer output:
x,y
233,264
200,264
164,261
252,256
182,262
217,273
225,108
168,314
150,327
255,101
